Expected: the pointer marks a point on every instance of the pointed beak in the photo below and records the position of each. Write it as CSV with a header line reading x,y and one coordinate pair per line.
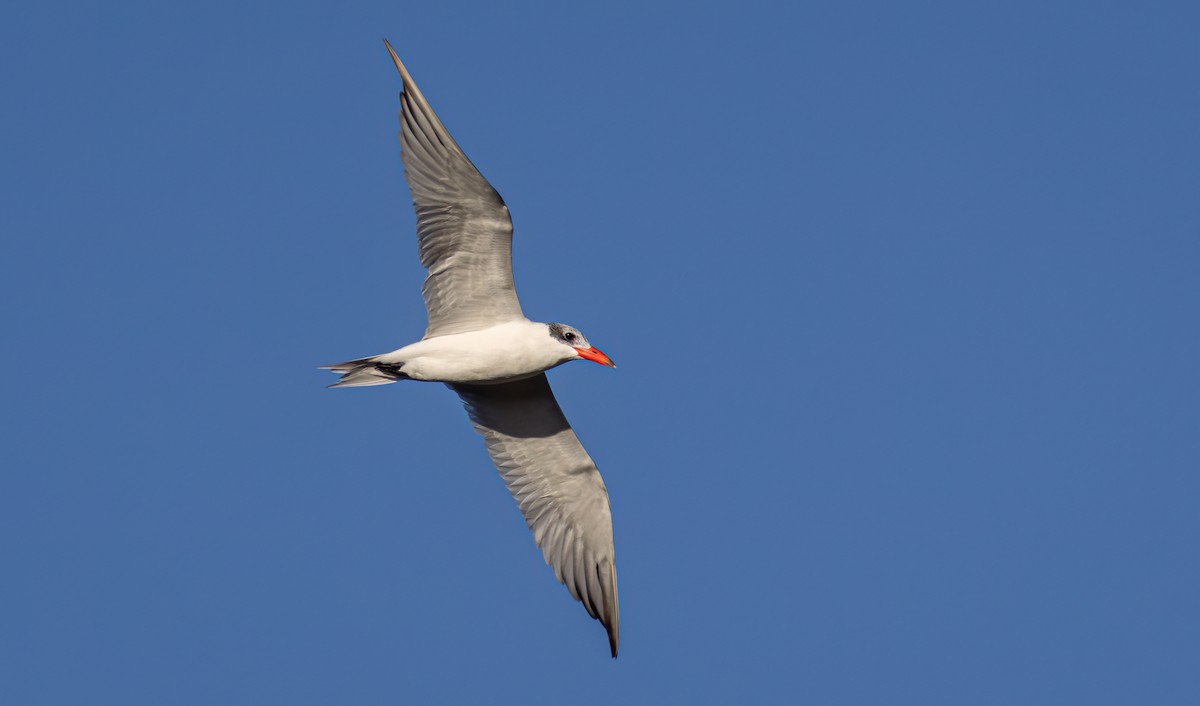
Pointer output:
x,y
596,356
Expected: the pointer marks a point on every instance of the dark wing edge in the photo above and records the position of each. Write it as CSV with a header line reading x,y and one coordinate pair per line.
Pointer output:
x,y
557,486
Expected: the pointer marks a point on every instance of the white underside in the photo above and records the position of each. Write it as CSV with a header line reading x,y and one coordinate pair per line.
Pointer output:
x,y
509,351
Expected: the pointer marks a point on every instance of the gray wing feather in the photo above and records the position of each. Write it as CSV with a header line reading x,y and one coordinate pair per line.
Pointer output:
x,y
464,232
557,486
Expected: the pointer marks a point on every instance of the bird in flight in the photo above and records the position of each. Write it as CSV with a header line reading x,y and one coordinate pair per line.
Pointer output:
x,y
480,344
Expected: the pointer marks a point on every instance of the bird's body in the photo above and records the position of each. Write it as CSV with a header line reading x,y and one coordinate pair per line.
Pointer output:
x,y
480,344
502,353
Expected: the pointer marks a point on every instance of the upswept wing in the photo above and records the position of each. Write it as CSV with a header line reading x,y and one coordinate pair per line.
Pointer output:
x,y
464,232
557,486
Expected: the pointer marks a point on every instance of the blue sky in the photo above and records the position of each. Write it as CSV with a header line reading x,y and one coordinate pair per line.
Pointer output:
x,y
904,298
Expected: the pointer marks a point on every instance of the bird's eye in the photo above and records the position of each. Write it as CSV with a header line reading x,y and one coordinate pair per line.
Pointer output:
x,y
569,335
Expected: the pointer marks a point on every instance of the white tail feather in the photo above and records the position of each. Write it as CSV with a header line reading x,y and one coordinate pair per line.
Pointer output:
x,y
365,372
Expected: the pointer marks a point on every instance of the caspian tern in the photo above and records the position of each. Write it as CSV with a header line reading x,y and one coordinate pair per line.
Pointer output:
x,y
480,344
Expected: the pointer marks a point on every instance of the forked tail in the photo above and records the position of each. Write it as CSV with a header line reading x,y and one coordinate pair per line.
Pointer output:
x,y
366,371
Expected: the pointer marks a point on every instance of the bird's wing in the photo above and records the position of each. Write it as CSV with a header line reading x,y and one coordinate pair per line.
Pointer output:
x,y
464,232
557,486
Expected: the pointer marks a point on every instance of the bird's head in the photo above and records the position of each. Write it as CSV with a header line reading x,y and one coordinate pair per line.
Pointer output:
x,y
574,339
